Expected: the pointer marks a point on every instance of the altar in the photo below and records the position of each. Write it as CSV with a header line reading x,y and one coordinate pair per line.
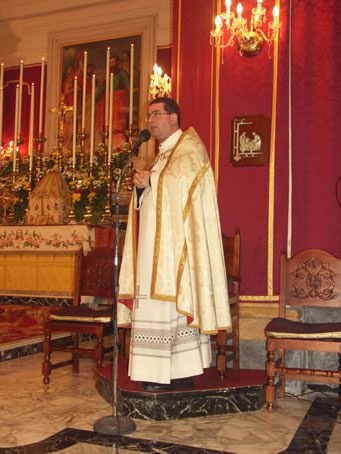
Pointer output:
x,y
39,261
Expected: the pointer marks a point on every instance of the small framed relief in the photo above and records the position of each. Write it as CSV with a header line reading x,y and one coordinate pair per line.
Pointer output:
x,y
250,136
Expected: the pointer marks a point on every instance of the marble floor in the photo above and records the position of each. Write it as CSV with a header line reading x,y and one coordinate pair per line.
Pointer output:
x,y
59,417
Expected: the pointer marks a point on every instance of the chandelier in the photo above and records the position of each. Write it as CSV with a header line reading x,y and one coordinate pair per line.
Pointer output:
x,y
250,39
160,85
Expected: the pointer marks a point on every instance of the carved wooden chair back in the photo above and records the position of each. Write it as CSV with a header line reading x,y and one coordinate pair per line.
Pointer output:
x,y
311,277
95,275
231,246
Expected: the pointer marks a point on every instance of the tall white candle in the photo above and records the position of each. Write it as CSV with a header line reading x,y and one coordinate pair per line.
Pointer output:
x,y
110,117
131,87
15,128
1,100
85,70
41,99
107,81
92,128
74,126
31,130
21,78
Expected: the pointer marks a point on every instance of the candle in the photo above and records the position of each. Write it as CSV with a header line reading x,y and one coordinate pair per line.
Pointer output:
x,y
110,117
228,8
92,128
239,11
275,13
1,100
74,126
41,99
131,86
218,24
21,76
31,129
107,81
15,128
85,70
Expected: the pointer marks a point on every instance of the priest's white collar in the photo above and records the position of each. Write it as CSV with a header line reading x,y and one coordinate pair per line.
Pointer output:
x,y
170,141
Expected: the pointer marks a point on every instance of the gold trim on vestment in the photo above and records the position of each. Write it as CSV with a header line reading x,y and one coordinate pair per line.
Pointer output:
x,y
193,187
126,296
183,259
332,335
157,238
271,205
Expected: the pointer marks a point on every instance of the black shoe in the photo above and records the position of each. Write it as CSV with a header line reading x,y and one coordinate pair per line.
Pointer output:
x,y
156,387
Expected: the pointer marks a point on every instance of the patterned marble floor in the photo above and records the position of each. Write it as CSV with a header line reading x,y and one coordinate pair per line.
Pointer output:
x,y
59,417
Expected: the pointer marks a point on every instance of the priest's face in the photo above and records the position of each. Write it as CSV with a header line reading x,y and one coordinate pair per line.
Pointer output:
x,y
161,124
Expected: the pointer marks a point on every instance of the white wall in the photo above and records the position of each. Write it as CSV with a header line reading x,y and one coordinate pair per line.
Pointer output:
x,y
25,25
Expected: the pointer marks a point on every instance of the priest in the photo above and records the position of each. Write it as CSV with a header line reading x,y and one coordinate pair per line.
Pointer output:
x,y
173,263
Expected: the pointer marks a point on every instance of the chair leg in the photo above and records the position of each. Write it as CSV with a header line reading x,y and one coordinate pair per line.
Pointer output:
x,y
46,367
281,375
235,344
99,352
221,352
75,355
270,381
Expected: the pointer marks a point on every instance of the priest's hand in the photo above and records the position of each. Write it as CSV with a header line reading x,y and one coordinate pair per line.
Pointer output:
x,y
141,179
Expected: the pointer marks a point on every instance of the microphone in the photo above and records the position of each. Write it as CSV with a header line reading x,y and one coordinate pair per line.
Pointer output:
x,y
144,136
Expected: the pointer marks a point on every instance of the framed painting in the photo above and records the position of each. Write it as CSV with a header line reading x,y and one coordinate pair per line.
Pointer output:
x,y
66,58
250,140
116,53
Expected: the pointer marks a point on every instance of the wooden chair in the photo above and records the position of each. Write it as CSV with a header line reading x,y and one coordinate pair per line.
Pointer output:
x,y
311,277
226,352
94,277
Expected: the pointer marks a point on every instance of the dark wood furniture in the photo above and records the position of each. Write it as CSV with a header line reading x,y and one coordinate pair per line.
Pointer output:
x,y
230,352
311,277
94,277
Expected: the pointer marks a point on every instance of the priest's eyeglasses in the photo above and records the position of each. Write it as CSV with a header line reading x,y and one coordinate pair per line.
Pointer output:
x,y
155,115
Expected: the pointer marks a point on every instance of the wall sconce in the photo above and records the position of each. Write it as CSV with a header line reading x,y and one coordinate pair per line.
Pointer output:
x,y
160,85
250,41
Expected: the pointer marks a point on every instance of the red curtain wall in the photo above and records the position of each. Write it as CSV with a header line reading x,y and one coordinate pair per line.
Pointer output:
x,y
245,88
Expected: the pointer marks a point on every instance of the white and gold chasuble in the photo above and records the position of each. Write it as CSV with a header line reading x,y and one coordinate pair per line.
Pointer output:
x,y
178,279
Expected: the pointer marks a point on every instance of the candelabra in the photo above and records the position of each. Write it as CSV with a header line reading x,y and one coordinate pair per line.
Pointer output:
x,y
250,41
71,215
160,85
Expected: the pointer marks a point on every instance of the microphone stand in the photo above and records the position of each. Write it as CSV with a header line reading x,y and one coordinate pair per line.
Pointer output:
x,y
116,424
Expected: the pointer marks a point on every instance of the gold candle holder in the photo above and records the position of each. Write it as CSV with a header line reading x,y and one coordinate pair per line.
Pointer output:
x,y
107,215
40,140
71,216
81,140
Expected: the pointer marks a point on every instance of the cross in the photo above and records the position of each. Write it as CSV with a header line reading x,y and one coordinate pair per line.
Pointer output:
x,y
62,109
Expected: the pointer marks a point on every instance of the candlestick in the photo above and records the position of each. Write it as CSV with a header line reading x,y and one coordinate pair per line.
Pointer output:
x,y
15,128
31,129
107,82
92,128
74,130
85,70
41,99
110,117
131,86
21,77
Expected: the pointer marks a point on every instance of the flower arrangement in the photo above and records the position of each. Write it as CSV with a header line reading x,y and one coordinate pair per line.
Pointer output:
x,y
89,192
